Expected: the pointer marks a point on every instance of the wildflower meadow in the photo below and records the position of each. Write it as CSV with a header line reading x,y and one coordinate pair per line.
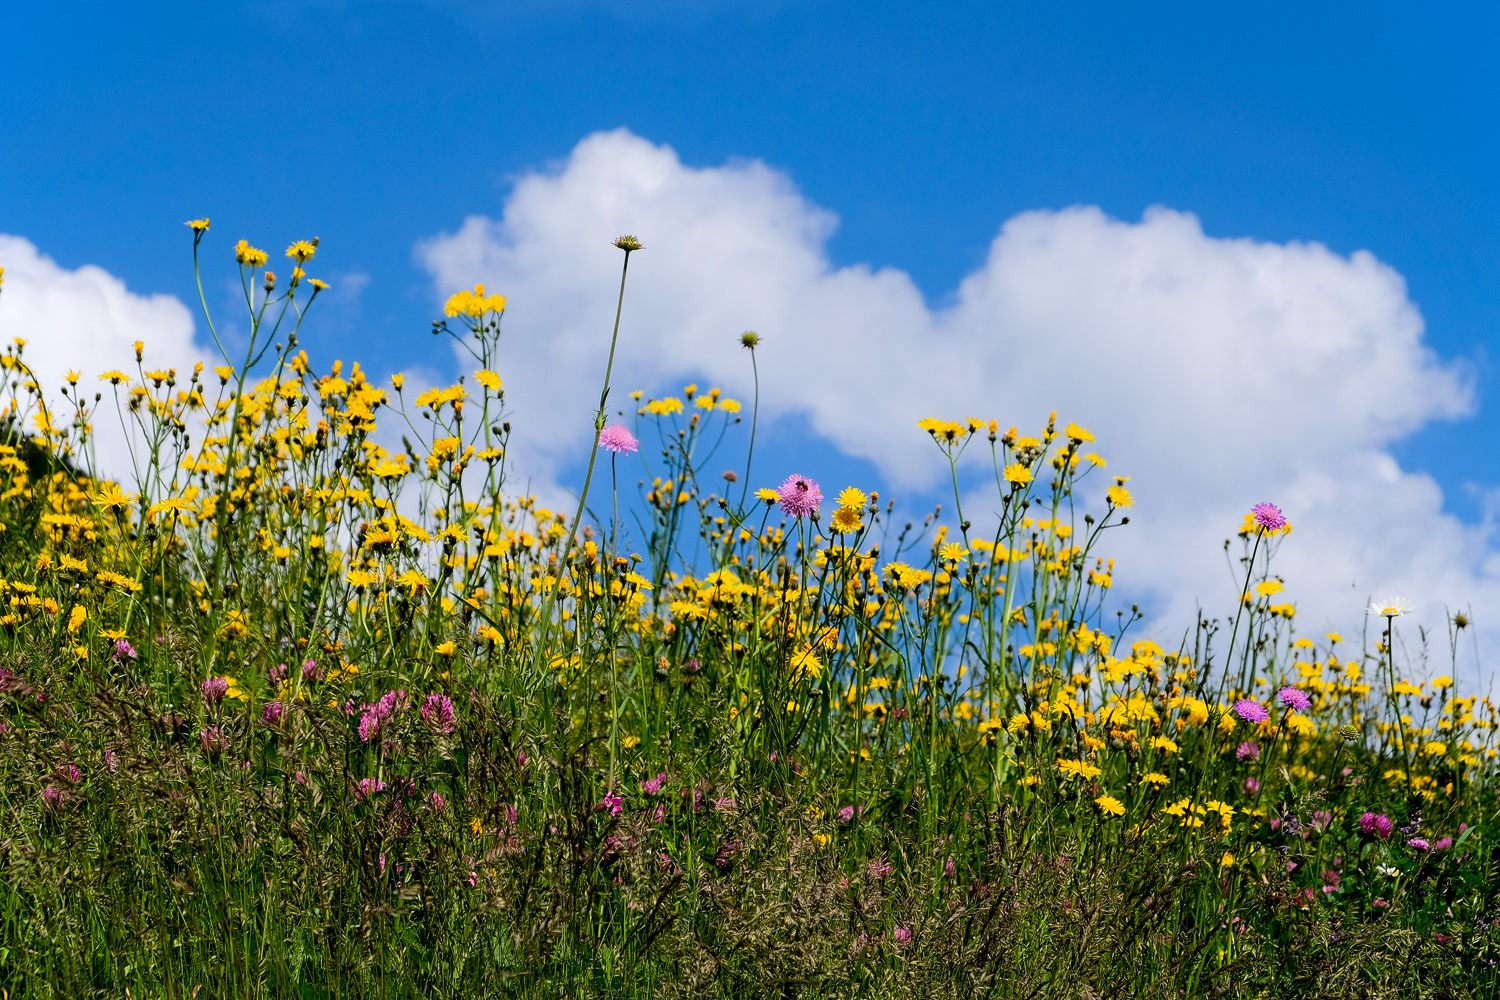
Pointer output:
x,y
302,696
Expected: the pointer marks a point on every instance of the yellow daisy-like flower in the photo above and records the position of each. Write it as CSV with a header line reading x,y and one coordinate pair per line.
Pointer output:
x,y
853,499
843,522
488,379
1119,496
197,225
247,254
301,251
769,496
1077,434
446,648
1110,806
1018,474
1155,779
1164,744
1080,768
111,497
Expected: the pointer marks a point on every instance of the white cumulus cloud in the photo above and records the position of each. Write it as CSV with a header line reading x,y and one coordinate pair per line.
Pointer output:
x,y
1216,372
87,320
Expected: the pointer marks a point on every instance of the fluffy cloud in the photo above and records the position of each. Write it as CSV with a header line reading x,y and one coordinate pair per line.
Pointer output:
x,y
1216,372
87,319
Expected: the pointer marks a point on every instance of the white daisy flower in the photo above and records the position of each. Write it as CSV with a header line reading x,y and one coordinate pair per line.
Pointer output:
x,y
1392,607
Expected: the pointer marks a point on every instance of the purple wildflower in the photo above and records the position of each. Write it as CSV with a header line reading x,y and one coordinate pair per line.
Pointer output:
x,y
214,689
1251,787
612,804
879,869
1248,750
311,671
369,786
437,712
950,869
213,740
1293,698
369,726
618,440
437,802
111,759
652,786
124,650
1251,711
1268,516
1442,844
1375,825
273,715
902,935
799,496
1419,844
54,799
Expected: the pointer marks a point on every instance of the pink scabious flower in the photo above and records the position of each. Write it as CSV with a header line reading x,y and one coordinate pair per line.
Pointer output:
x,y
1419,844
1248,750
1442,844
1251,787
1251,711
437,712
617,439
798,496
214,689
1293,698
1376,825
1268,516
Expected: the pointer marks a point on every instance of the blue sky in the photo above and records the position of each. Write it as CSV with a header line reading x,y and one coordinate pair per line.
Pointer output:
x,y
923,127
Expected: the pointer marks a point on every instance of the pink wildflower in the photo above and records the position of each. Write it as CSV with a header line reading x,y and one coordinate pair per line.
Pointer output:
x,y
612,804
1419,844
902,935
1375,825
213,740
369,786
273,715
799,496
1251,711
124,650
214,689
437,712
1293,698
1268,516
618,440
1248,750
